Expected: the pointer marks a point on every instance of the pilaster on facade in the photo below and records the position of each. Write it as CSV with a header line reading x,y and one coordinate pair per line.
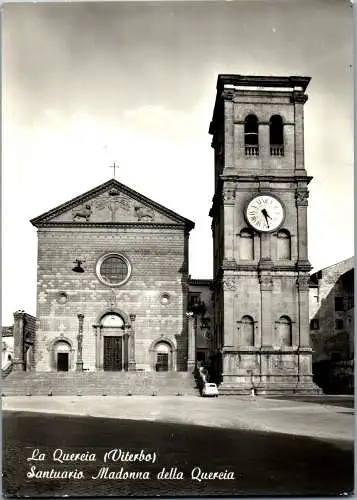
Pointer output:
x,y
131,342
18,362
191,348
298,99
229,127
302,196
79,363
228,193
266,281
303,282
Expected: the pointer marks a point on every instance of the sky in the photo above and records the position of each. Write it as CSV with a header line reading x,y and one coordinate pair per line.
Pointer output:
x,y
87,84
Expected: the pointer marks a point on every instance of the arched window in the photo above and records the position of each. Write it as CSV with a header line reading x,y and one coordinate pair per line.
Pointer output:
x,y
246,244
112,320
247,331
276,136
283,245
284,335
251,137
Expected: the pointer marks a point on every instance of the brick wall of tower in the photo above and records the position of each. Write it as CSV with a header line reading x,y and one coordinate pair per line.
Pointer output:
x,y
159,266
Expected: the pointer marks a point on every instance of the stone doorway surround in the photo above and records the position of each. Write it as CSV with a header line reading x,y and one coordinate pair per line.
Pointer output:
x,y
123,326
61,345
160,345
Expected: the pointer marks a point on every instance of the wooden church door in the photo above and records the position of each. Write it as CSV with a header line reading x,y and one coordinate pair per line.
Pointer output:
x,y
113,354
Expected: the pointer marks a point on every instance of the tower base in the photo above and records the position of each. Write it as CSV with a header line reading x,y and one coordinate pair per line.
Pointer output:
x,y
276,389
268,370
282,385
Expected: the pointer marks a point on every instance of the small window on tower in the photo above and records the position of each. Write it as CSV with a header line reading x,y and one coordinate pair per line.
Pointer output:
x,y
276,136
251,137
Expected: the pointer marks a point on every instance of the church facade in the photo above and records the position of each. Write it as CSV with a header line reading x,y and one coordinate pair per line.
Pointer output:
x,y
112,284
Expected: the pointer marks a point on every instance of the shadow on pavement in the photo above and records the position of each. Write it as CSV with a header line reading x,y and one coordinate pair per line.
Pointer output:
x,y
263,463
345,402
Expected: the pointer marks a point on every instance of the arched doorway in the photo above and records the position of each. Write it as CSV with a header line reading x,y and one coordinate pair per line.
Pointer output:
x,y
114,345
62,356
163,355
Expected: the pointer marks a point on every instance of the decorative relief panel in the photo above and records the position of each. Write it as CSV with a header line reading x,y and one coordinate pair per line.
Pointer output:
x,y
298,97
266,282
144,213
112,299
229,283
283,363
112,206
303,282
82,213
301,196
228,193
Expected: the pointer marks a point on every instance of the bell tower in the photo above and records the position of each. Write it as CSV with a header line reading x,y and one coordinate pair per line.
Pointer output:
x,y
259,226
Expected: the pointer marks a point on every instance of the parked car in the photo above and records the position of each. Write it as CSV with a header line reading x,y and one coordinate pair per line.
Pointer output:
x,y
209,389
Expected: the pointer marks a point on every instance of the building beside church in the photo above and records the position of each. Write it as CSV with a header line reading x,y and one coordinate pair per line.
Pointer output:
x,y
332,326
113,289
200,303
18,342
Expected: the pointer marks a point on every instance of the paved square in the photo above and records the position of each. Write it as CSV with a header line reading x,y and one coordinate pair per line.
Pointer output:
x,y
271,446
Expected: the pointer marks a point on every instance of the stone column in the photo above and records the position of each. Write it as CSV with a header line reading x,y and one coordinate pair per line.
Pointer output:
x,y
289,139
305,351
125,352
264,143
298,98
239,142
303,293
229,204
132,361
97,347
266,287
301,197
191,357
265,251
18,363
229,288
79,364
229,128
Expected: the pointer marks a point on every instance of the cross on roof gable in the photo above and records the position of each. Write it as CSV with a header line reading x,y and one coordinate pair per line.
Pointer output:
x,y
99,206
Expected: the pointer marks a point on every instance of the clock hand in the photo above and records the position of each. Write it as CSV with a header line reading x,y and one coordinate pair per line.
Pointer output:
x,y
265,213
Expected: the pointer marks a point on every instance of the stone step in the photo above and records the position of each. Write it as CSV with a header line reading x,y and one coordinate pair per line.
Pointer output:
x,y
99,383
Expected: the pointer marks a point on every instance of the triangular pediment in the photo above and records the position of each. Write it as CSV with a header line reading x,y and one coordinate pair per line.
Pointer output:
x,y
111,203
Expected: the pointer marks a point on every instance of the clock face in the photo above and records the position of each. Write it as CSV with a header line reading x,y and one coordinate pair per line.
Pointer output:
x,y
265,213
